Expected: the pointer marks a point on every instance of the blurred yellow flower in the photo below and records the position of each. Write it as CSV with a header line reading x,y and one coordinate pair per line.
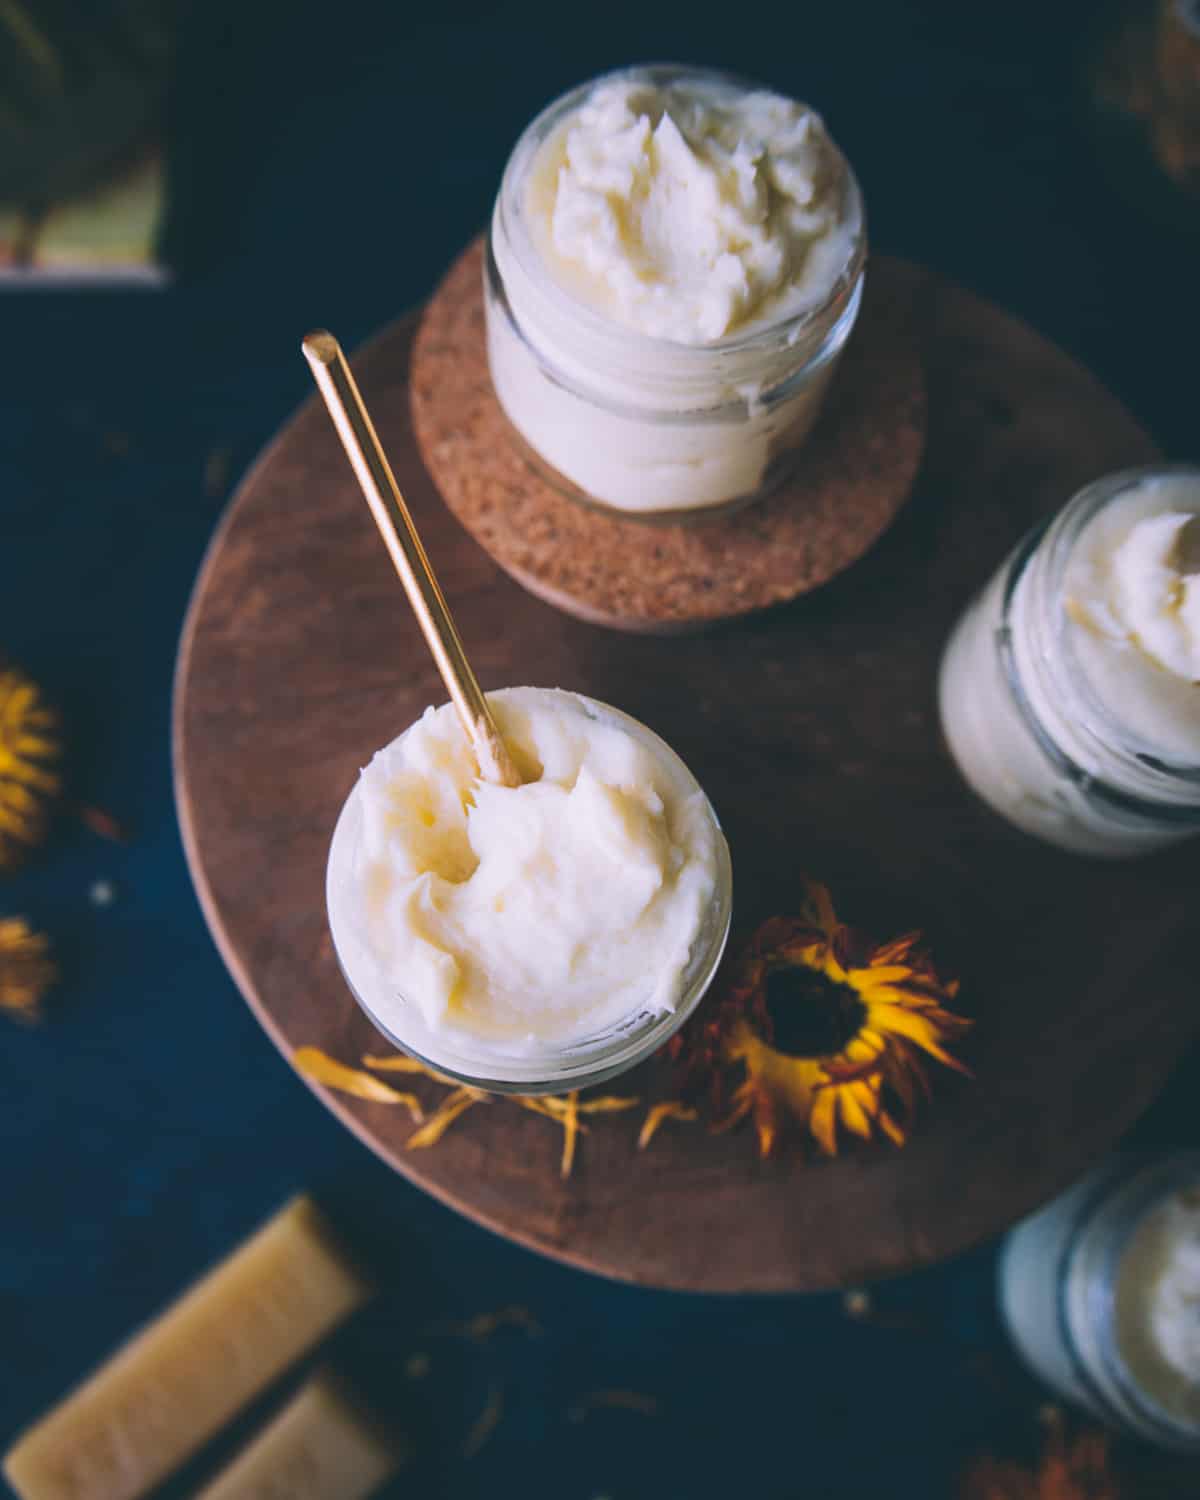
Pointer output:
x,y
29,755
27,970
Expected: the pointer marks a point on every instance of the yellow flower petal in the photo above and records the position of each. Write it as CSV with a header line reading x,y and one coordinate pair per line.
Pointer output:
x,y
570,1132
917,1028
816,906
608,1104
890,1128
666,1109
325,1070
822,1122
451,1107
873,976
854,1116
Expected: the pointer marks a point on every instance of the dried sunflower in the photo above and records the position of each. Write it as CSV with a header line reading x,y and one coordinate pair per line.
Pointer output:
x,y
29,754
818,1025
26,969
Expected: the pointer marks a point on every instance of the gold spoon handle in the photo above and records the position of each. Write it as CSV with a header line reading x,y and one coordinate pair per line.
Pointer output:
x,y
378,484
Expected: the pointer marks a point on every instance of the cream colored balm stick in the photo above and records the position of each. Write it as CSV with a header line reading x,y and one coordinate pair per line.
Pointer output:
x,y
321,1446
184,1376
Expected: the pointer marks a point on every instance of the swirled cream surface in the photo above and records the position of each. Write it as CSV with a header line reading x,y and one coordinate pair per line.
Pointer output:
x,y
1132,594
1158,1304
691,210
526,917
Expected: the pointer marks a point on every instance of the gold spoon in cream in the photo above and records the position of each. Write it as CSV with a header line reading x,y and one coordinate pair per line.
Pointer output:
x,y
378,484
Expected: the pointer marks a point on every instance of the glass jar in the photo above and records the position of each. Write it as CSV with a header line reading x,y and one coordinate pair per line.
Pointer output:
x,y
549,1069
646,426
1026,725
1081,1288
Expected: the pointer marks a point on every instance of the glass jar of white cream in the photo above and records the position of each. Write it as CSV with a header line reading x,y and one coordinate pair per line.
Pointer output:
x,y
537,938
1070,689
1101,1294
674,263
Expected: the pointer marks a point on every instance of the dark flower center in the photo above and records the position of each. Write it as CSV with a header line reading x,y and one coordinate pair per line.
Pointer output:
x,y
811,1014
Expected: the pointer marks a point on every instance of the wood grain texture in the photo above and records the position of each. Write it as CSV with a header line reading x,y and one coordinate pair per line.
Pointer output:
x,y
813,727
850,479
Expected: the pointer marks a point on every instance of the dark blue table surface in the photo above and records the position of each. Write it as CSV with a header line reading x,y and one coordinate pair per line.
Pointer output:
x,y
328,162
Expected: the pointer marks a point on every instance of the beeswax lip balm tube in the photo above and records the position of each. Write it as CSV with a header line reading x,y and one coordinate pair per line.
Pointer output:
x,y
163,1395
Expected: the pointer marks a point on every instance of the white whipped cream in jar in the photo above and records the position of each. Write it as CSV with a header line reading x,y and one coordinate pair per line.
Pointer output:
x,y
1070,689
530,938
1158,1303
674,264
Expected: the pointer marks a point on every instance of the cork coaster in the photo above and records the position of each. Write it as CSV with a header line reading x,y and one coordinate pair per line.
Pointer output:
x,y
851,478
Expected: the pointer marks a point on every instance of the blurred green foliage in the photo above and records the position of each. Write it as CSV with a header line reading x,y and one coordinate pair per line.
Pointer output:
x,y
80,82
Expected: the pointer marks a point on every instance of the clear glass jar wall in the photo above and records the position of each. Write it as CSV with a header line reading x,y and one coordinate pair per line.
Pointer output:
x,y
580,1063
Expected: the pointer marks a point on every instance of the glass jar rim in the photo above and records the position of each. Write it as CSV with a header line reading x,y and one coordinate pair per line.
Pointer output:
x,y
785,331
584,1061
1048,548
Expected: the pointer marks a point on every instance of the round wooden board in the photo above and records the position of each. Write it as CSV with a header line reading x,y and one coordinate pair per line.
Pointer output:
x,y
851,477
814,729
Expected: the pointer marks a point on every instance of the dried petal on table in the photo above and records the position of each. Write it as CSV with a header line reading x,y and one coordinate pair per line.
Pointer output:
x,y
104,825
483,1325
566,1112
566,1109
449,1110
621,1400
665,1109
485,1423
400,1062
325,1070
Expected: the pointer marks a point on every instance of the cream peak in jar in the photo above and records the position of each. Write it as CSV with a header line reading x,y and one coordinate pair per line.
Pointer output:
x,y
1132,595
494,929
689,209
1158,1304
675,263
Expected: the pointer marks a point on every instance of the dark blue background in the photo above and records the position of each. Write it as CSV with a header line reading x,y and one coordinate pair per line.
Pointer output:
x,y
328,162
